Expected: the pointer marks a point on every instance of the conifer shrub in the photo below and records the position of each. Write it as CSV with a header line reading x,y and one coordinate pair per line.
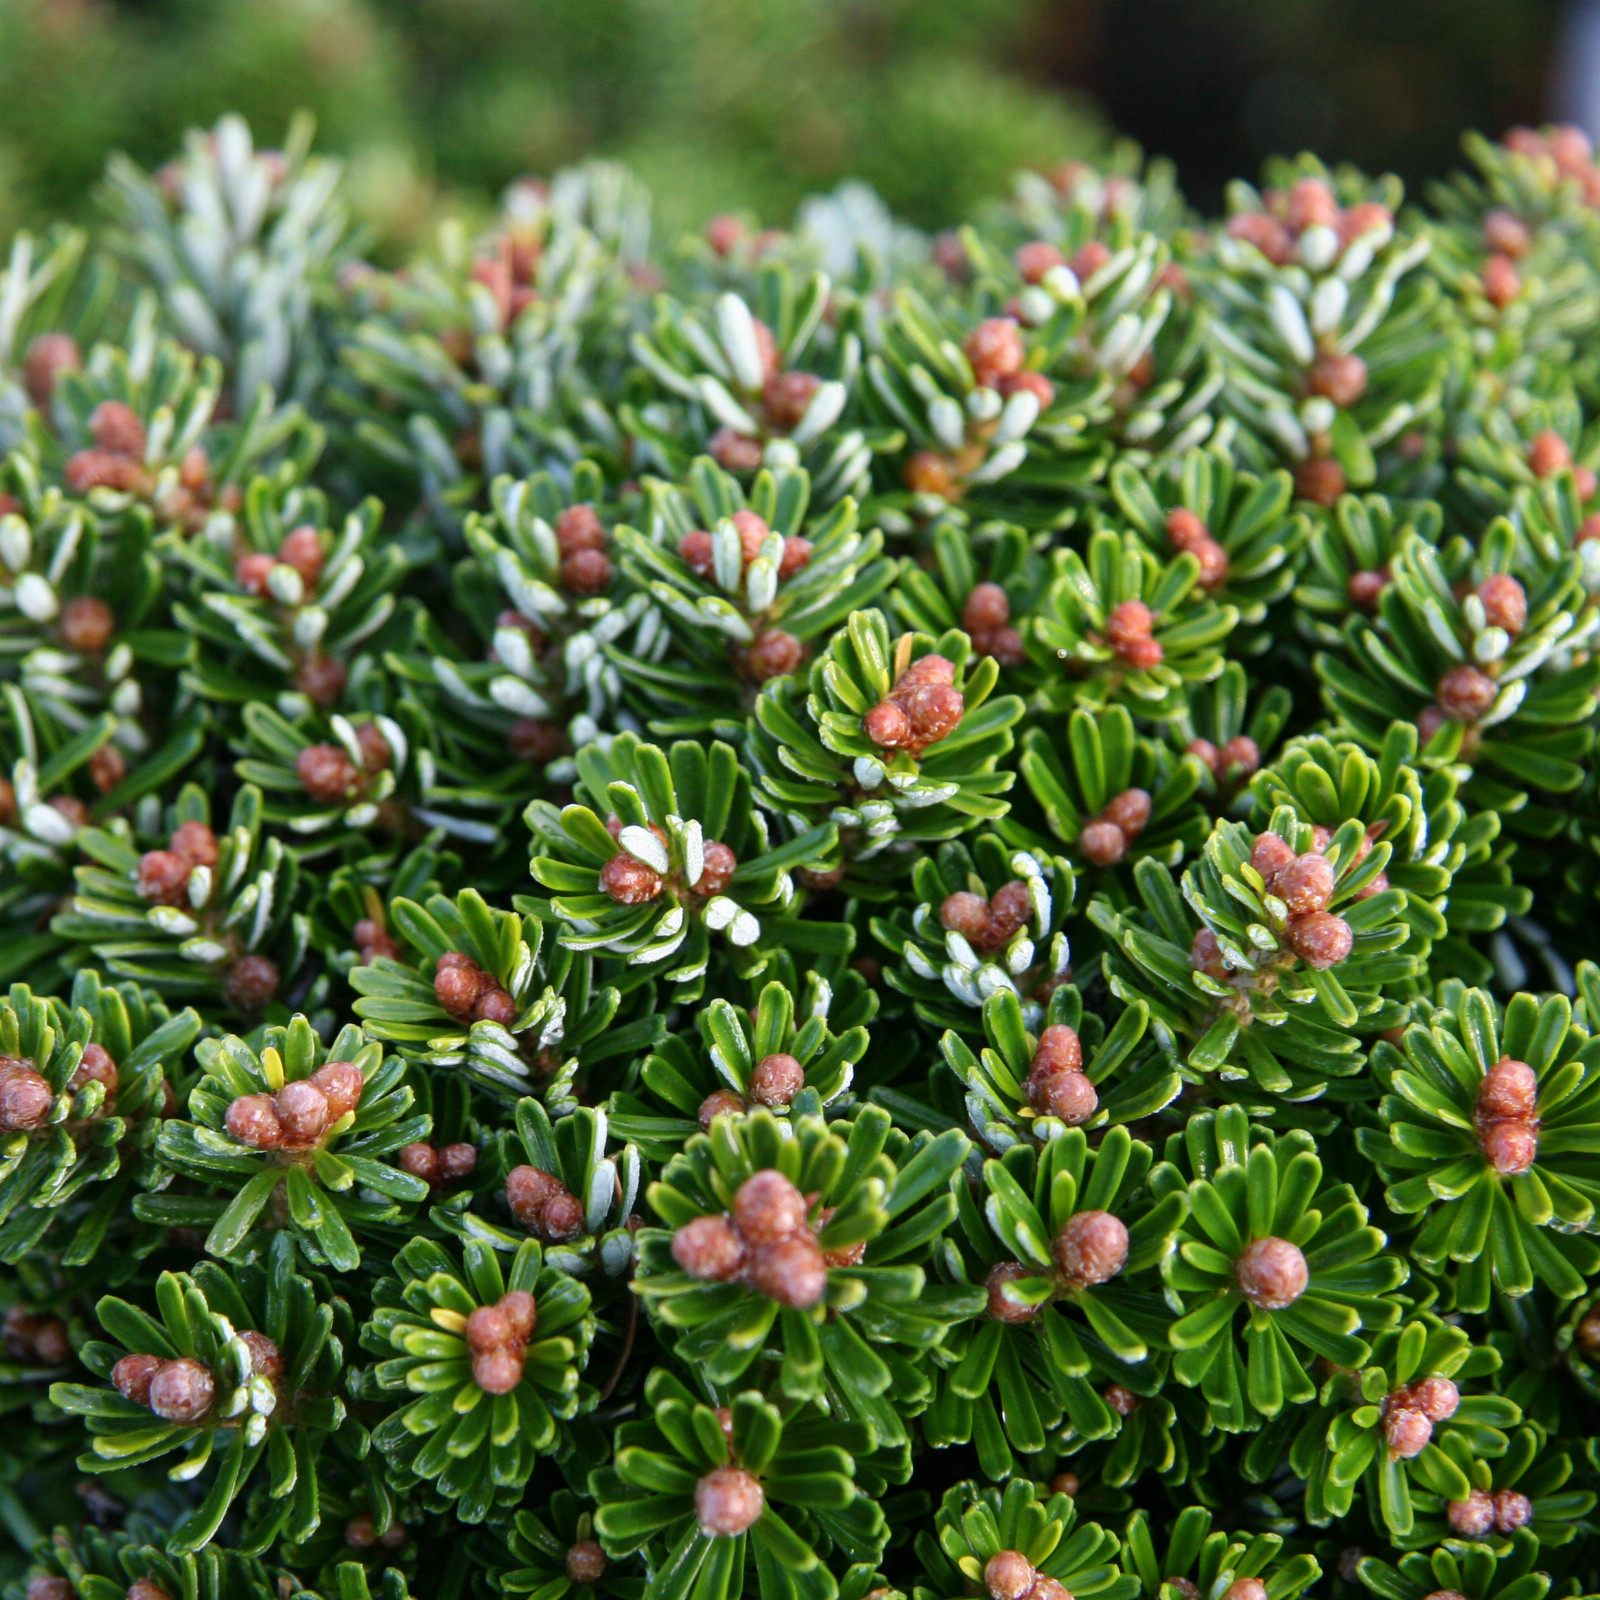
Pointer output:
x,y
695,924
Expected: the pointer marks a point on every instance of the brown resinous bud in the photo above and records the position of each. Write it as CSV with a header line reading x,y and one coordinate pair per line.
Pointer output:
x,y
1001,1307
25,1096
1009,1575
709,1248
630,881
727,1502
181,1391
1472,1517
776,1080
1271,1273
1090,1249
1406,1432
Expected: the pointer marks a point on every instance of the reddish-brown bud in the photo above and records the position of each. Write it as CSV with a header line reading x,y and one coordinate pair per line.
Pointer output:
x,y
1000,1308
1311,204
580,528
321,679
1068,1096
521,1312
1339,378
1036,258
87,624
585,1562
1406,1432
928,472
164,877
586,572
303,1111
1365,587
95,1066
1319,479
253,1119
561,1218
1505,602
107,768
1511,1510
1510,1147
116,427
457,1161
527,1189
266,1359
1129,811
785,396
1501,281
1271,856
1510,1089
1465,693
717,866
1507,234
1306,884
252,983
302,550
196,843
327,773
768,1207
488,1328
1205,955
341,1084
995,350
131,1377
1010,906
1472,1517
1009,1575
735,452
1436,1398
25,1097
986,608
498,1371
1092,1248
1059,1050
887,726
49,355
1245,1589
1548,453
629,881
709,1248
719,1103
773,654
790,1270
728,1501
776,1080
1320,939
934,711
967,914
182,1391
1271,1273
1103,843
1121,1399
420,1159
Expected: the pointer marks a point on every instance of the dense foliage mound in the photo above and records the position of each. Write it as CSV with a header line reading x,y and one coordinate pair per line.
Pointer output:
x,y
824,914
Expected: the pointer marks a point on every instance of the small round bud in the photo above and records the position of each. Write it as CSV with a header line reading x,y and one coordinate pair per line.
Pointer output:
x,y
303,1111
266,1359
1505,602
719,1103
457,1161
86,625
709,1248
48,1586
727,1502
1010,906
1245,1589
376,756
1548,453
1001,1308
580,528
934,711
1129,811
1240,758
1121,1400
1510,1147
1339,378
52,1345
360,1532
488,1328
302,550
1091,1248
1185,530
928,472
495,1005
253,1120
341,1084
327,774
1089,257
95,1066
116,427
1064,1483
985,608
796,557
1472,1517
1187,1588
1506,233
1036,258
1130,621
995,350
586,572
196,843
1271,1273
1320,939
767,1207
49,355
1102,843
1059,1050
561,1218
735,452
146,1589
629,881
420,1159
1306,884
1205,955
1319,479
517,1306
717,866
164,877
1511,1510
773,654
1436,1398
498,1371
1501,281
1214,564
1271,855
1009,1575
459,985
790,1270
25,1100
1311,204
1068,1096
1406,1433
527,1189
776,1080
1588,1332
321,679
753,531
1365,587
786,395
182,1391
131,1377
585,1562
1509,1089
965,913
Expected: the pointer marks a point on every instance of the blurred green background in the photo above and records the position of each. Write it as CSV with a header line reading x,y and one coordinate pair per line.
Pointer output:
x,y
750,104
